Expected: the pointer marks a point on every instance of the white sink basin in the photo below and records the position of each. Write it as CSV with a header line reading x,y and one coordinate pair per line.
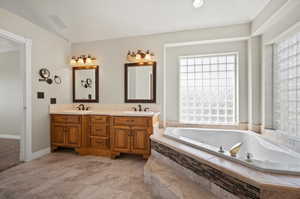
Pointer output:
x,y
76,112
137,113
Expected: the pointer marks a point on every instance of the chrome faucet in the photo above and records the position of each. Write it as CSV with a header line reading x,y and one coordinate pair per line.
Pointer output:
x,y
221,150
248,157
235,149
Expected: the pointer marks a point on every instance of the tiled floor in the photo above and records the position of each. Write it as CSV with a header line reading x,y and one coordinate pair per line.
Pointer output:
x,y
9,153
68,176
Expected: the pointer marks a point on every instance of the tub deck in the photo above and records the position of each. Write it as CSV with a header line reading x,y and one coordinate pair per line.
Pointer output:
x,y
270,185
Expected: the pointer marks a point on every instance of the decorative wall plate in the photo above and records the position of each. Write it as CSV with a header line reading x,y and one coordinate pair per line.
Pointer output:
x,y
57,79
44,73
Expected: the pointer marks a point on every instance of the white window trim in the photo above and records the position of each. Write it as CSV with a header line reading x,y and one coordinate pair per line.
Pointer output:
x,y
236,89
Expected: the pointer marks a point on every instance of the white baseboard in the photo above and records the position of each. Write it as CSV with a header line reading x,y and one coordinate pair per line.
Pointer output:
x,y
39,154
7,136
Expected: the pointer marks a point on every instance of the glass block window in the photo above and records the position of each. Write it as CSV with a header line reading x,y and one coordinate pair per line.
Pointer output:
x,y
207,89
286,86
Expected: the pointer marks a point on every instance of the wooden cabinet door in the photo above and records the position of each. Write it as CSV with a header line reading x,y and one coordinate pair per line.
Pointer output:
x,y
73,135
140,140
58,134
121,139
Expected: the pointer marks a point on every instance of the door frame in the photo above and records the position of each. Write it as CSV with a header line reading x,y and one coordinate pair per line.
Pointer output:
x,y
25,67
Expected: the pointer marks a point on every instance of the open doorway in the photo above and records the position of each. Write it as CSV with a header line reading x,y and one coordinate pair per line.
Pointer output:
x,y
15,100
10,102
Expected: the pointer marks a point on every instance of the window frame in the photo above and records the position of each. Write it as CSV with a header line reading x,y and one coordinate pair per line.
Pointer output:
x,y
235,91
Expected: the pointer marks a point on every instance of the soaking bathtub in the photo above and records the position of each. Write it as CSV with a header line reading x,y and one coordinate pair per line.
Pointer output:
x,y
256,152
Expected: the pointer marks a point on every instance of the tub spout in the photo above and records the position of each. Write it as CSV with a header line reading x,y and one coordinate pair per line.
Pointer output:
x,y
235,149
221,150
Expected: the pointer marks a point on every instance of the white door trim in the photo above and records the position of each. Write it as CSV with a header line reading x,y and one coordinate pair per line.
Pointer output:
x,y
26,137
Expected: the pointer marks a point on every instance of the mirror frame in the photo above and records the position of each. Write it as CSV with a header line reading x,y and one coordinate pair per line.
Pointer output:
x,y
96,84
153,64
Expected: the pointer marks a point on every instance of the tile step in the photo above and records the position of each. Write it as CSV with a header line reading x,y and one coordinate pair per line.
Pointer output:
x,y
166,183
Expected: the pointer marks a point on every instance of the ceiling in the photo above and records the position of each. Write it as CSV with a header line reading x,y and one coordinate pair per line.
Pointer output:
x,y
88,20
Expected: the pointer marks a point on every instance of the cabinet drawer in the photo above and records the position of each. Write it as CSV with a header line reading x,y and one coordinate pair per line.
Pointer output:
x,y
99,119
99,143
132,121
73,119
58,118
99,130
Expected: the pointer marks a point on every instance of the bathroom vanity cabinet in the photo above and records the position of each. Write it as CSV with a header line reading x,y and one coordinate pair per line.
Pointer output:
x,y
66,131
103,135
131,135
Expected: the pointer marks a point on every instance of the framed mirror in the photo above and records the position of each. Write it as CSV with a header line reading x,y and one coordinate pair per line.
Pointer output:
x,y
140,82
86,84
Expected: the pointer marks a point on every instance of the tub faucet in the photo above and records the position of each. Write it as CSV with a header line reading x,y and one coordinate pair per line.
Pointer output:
x,y
248,157
235,149
221,150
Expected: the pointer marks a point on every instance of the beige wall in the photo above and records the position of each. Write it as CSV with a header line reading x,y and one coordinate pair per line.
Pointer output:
x,y
254,80
112,55
11,93
48,50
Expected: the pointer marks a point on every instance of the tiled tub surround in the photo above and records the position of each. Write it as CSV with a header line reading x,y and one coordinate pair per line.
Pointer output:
x,y
167,181
255,151
226,178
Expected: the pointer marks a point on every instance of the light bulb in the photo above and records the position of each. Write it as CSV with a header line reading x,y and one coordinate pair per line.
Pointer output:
x,y
198,3
138,56
73,61
80,60
88,60
148,56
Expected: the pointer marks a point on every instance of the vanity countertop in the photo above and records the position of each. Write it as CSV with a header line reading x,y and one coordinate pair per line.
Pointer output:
x,y
107,112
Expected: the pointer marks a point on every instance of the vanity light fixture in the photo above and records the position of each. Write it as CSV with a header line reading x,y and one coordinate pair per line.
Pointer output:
x,y
198,3
140,56
83,60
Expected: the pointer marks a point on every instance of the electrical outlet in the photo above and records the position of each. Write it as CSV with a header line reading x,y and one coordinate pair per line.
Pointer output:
x,y
40,95
52,100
